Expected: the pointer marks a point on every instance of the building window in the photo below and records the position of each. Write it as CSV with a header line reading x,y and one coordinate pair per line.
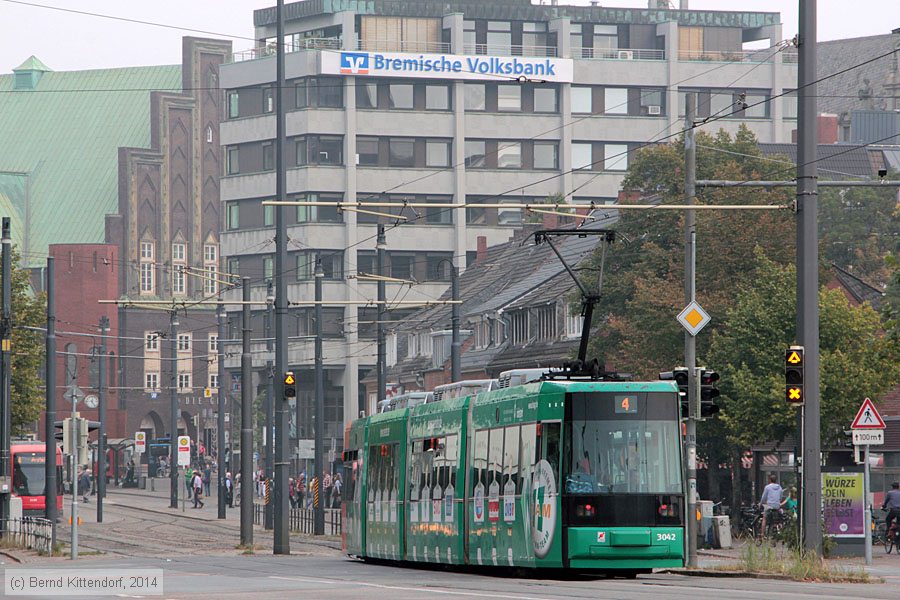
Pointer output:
x,y
437,153
366,94
757,106
546,155
615,157
151,381
147,250
234,266
606,37
615,101
213,381
401,265
401,95
232,163
179,279
574,323
184,342
475,154
184,382
178,252
437,97
268,156
268,100
233,105
789,105
582,155
319,92
518,324
320,150
402,152
439,215
268,216
268,268
332,262
146,277
367,151
545,100
582,102
509,98
652,102
210,281
151,342
213,343
210,253
499,38
576,40
509,155
232,215
438,267
319,214
475,94
546,322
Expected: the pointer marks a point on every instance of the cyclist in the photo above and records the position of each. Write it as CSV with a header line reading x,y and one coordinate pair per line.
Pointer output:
x,y
770,500
892,504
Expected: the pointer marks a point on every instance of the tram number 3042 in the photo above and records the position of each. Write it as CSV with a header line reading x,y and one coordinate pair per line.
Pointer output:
x,y
665,537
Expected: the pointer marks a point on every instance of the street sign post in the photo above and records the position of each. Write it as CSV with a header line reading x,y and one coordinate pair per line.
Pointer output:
x,y
184,451
868,429
693,318
140,442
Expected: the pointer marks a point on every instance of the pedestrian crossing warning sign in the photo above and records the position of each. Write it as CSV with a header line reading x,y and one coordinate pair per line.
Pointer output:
x,y
289,378
868,417
794,357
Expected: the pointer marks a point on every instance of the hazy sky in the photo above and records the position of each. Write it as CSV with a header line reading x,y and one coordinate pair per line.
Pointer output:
x,y
68,41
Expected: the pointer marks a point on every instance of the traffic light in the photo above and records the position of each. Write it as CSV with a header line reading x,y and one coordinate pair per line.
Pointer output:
x,y
67,435
793,375
290,385
84,450
708,393
680,376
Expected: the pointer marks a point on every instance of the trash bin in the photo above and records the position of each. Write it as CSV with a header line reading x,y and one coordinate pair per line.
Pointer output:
x,y
722,531
704,531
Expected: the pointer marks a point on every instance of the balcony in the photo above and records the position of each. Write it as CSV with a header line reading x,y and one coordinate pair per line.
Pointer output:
x,y
619,53
271,49
743,56
511,50
403,46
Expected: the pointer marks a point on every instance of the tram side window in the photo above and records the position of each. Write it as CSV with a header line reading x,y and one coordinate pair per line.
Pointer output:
x,y
416,476
451,461
549,446
511,460
495,463
480,461
438,448
526,463
372,476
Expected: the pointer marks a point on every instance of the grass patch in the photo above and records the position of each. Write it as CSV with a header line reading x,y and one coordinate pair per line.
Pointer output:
x,y
248,548
799,565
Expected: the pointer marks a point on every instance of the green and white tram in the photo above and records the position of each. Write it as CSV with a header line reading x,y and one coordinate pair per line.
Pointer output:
x,y
558,474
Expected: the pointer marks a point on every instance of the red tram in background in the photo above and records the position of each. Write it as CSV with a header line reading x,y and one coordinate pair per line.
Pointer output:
x,y
28,477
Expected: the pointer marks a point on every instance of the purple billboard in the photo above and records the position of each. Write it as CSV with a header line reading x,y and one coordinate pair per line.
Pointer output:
x,y
843,504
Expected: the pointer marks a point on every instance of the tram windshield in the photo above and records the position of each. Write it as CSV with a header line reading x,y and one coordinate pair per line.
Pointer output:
x,y
622,444
28,473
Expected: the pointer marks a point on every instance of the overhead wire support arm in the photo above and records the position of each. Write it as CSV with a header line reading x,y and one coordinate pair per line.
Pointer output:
x,y
588,300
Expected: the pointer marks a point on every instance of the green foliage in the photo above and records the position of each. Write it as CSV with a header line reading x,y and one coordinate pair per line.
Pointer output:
x,y
27,350
858,229
643,285
748,350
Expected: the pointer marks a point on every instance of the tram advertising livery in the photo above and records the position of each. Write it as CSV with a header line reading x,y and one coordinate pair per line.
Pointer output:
x,y
559,474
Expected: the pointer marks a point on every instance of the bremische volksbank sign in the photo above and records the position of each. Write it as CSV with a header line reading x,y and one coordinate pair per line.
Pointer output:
x,y
447,66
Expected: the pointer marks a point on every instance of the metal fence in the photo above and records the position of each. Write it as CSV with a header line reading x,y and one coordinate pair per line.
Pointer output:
x,y
302,520
33,533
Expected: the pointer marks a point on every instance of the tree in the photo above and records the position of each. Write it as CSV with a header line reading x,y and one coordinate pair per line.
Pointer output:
x,y
28,351
748,351
644,281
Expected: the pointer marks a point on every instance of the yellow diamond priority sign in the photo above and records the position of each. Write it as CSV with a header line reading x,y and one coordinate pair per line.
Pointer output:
x,y
693,318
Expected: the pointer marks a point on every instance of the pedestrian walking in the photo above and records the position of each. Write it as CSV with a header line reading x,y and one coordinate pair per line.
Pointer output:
x,y
197,484
188,477
336,491
301,489
292,492
229,490
207,477
84,483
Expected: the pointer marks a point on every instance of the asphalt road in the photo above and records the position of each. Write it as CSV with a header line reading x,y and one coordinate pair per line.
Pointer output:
x,y
336,577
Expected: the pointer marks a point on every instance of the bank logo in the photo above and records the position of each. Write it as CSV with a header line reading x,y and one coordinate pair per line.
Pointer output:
x,y
355,63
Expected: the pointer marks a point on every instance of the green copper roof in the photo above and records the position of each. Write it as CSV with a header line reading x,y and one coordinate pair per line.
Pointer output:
x,y
32,64
59,145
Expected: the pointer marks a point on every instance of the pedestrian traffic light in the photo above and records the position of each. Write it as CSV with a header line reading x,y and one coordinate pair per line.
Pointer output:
x,y
708,393
290,385
793,374
680,376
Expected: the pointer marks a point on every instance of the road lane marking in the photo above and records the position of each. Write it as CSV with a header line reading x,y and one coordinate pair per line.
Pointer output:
x,y
425,590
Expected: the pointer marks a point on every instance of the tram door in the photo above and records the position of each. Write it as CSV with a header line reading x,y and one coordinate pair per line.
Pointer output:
x,y
546,531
